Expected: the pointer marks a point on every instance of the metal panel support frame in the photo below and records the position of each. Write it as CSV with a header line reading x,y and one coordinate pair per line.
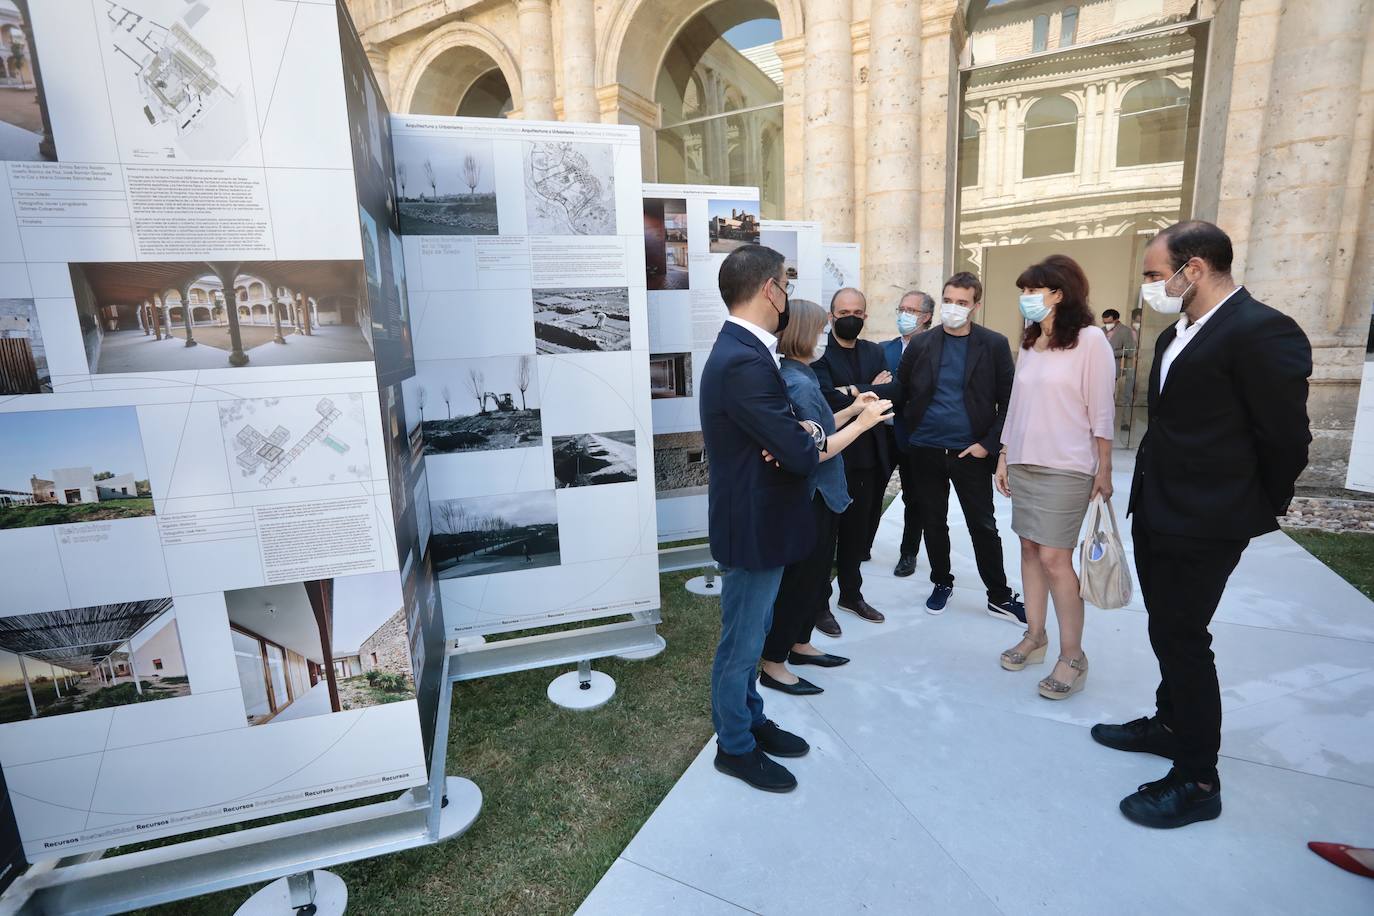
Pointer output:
x,y
88,885
544,650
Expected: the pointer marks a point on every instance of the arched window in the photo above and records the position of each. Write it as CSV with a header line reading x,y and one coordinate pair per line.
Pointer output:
x,y
1068,26
720,92
1051,137
489,97
1040,37
1153,126
968,152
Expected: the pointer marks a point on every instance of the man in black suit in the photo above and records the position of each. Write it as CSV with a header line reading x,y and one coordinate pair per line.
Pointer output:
x,y
1228,438
850,367
954,383
759,511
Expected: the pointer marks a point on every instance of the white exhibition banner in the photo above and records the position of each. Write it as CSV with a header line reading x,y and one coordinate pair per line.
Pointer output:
x,y
525,264
1360,471
688,231
204,617
840,269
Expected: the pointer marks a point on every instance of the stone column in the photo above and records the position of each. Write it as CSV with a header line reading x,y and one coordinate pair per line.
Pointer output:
x,y
303,310
154,318
1307,202
143,319
536,59
894,158
276,317
792,53
185,293
991,173
228,272
938,79
579,62
828,171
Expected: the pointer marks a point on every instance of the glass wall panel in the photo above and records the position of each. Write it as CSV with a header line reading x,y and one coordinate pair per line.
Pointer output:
x,y
1085,153
742,149
1003,30
276,668
252,674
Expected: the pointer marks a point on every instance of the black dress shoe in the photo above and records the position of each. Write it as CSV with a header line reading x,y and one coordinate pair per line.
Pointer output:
x,y
1173,802
905,566
825,660
777,742
862,608
803,687
1144,735
757,769
828,624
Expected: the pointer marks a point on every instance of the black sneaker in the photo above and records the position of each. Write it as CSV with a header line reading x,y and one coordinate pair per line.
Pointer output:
x,y
1144,735
1013,610
757,769
1173,802
905,566
939,597
777,742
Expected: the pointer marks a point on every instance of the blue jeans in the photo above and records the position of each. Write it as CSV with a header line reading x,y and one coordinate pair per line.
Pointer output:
x,y
746,613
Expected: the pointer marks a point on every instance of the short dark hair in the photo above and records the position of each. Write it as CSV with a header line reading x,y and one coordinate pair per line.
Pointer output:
x,y
1196,238
1058,272
744,272
965,280
847,289
1113,314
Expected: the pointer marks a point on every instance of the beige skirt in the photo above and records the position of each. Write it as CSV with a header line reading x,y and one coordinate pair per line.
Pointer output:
x,y
1047,504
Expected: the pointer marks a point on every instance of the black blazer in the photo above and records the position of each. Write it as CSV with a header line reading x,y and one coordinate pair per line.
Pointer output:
x,y
988,376
760,515
1228,435
834,370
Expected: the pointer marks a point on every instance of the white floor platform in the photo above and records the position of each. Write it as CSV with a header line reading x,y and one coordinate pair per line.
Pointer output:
x,y
938,783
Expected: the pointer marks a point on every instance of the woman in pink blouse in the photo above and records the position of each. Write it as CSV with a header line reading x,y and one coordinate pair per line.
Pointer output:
x,y
1056,455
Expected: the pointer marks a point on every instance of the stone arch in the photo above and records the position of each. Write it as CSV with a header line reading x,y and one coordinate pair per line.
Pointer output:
x,y
445,47
637,18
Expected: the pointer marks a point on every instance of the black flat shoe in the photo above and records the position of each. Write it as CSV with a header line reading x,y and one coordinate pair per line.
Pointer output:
x,y
778,743
1144,735
757,769
905,566
824,660
1173,802
803,687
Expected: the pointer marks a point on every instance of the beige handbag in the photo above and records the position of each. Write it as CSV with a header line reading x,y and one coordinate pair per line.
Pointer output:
x,y
1104,571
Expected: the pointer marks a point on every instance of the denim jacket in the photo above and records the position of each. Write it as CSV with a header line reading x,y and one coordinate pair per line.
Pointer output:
x,y
805,392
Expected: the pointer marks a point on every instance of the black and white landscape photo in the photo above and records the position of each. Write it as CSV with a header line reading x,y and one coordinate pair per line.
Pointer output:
x,y
478,405
448,187
588,459
576,320
483,535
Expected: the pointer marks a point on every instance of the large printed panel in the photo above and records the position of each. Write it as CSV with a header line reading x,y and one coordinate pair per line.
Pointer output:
x,y
217,604
531,394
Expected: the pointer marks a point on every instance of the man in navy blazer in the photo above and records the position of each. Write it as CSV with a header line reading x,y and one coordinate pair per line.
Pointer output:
x,y
760,511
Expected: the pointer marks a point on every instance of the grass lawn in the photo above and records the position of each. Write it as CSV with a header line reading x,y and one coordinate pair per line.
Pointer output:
x,y
58,514
564,791
1350,554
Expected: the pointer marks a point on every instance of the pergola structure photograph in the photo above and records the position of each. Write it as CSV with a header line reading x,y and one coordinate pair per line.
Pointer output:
x,y
58,662
159,316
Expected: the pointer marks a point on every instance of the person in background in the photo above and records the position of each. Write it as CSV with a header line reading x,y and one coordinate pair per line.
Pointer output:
x,y
1056,455
1121,337
804,595
915,312
759,512
953,388
849,368
1227,440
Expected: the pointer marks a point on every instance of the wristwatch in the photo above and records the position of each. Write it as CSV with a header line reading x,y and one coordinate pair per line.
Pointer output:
x,y
817,434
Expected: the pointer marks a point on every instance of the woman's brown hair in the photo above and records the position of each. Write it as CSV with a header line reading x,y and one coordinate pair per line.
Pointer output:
x,y
805,322
1062,274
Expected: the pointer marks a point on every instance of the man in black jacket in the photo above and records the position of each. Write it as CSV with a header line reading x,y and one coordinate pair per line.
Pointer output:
x,y
1228,438
953,388
850,367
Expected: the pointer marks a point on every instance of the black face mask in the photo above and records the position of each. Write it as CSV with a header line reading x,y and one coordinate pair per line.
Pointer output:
x,y
786,314
848,327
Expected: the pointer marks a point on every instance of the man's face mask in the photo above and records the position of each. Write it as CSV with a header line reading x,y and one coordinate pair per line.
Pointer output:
x,y
1157,297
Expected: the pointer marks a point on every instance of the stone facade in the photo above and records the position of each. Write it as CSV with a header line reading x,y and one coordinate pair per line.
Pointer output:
x,y
874,118
390,645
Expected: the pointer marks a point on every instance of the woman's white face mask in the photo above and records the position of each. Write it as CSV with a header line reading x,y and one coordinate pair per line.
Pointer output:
x,y
1157,298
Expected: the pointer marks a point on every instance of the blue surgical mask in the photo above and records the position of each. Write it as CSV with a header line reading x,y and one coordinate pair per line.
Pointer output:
x,y
907,323
1033,307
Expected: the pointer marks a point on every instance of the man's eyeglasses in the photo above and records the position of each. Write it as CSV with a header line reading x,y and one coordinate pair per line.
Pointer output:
x,y
789,288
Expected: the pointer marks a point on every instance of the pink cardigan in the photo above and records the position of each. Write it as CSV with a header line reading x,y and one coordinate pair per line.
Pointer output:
x,y
1061,401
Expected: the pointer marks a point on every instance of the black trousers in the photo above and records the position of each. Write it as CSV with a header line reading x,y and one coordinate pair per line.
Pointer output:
x,y
1181,580
805,590
856,528
911,521
936,469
